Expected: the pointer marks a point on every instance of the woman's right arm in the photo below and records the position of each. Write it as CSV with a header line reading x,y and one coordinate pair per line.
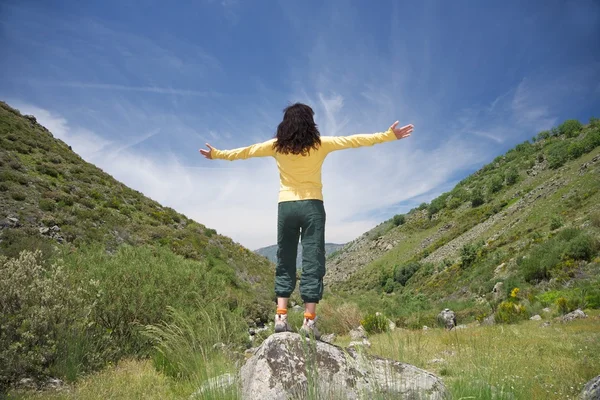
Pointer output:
x,y
264,149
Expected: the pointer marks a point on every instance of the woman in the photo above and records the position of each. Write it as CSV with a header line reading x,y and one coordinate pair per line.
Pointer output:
x,y
299,151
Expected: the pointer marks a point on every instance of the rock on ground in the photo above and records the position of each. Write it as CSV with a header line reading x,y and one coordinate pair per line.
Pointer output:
x,y
287,366
447,318
358,333
591,390
573,316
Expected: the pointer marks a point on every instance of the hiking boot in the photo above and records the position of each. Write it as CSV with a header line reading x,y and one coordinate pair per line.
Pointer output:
x,y
281,323
309,328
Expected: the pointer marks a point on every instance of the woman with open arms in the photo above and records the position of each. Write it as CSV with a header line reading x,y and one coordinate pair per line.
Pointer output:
x,y
299,150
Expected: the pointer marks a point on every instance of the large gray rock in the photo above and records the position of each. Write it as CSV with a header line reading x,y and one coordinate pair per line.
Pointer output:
x,y
498,291
288,366
358,333
447,318
577,314
591,390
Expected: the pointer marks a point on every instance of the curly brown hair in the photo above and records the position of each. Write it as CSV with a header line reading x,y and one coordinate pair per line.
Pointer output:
x,y
297,133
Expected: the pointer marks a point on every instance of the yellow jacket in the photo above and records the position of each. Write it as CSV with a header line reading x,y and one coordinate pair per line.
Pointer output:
x,y
300,176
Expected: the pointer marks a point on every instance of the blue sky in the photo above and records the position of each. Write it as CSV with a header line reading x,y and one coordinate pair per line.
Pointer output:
x,y
137,87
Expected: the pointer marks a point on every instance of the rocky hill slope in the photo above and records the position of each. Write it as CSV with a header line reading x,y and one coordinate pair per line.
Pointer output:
x,y
495,225
50,198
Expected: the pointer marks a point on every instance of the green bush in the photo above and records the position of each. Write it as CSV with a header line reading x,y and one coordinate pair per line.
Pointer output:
x,y
468,254
399,219
569,244
375,323
576,150
543,135
47,170
454,203
37,304
511,176
570,128
558,154
47,205
477,197
591,140
18,196
495,184
556,222
402,273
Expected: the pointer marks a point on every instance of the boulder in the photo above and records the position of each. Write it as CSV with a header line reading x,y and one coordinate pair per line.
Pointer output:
x,y
498,291
591,390
577,314
288,365
358,333
447,318
536,317
329,338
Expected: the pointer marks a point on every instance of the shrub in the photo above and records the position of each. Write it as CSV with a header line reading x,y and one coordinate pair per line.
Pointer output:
x,y
37,304
509,312
399,219
375,323
437,204
454,203
576,150
468,254
495,184
477,197
582,247
558,154
47,205
511,176
543,135
591,140
556,222
18,196
47,170
570,128
563,305
402,273
4,187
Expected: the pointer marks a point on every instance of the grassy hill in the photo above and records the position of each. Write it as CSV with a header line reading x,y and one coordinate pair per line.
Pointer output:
x,y
107,256
271,252
529,219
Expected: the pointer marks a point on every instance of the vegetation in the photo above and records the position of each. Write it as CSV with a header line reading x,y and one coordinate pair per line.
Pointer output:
x,y
96,277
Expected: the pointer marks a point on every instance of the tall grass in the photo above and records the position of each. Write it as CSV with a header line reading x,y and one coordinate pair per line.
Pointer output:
x,y
523,361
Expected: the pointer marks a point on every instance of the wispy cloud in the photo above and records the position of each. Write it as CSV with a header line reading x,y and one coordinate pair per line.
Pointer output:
x,y
126,88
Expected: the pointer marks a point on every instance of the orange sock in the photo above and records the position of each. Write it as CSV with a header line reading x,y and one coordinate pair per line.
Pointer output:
x,y
281,311
310,315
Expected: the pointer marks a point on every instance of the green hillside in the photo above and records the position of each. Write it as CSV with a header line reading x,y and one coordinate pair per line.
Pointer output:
x,y
529,219
109,261
271,252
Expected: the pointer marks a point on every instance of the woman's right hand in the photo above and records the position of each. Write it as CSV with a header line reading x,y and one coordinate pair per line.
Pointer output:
x,y
403,132
207,153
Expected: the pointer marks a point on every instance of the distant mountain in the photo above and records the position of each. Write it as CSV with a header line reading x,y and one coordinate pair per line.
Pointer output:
x,y
271,252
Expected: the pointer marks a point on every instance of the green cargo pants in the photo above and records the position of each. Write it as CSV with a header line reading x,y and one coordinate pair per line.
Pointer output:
x,y
301,219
